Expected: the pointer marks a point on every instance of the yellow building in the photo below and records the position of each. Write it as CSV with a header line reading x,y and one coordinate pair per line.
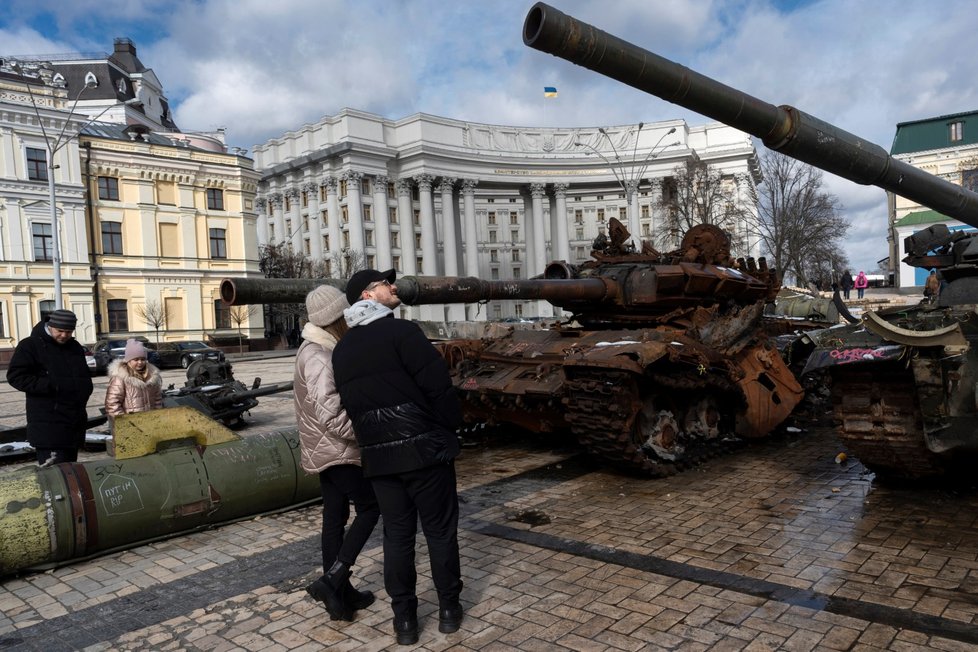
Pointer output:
x,y
170,215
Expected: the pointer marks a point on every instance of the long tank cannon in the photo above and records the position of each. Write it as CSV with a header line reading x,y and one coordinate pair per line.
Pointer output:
x,y
783,129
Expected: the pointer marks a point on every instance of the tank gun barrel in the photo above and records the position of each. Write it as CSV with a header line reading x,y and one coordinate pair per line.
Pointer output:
x,y
421,290
244,291
231,399
783,129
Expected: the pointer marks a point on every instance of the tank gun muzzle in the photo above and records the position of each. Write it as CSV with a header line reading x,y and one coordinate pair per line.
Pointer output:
x,y
783,129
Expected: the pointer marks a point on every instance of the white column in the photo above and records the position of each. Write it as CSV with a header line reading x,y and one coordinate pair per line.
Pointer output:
x,y
261,208
450,240
277,218
382,224
470,228
354,209
634,226
538,191
429,234
655,201
333,219
296,213
405,218
311,188
529,267
561,241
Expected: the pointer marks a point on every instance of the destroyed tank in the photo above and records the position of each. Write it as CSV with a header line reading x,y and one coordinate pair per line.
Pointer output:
x,y
903,380
666,364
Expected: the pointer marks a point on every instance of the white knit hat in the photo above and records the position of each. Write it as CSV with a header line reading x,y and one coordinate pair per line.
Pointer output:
x,y
325,305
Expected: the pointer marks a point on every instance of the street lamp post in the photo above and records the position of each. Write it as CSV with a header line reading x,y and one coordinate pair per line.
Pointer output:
x,y
629,182
53,147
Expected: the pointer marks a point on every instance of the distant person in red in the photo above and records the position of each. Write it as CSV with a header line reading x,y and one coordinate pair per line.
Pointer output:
x,y
49,366
861,283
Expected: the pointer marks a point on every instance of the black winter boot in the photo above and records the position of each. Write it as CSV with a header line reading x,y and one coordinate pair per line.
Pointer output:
x,y
357,600
329,591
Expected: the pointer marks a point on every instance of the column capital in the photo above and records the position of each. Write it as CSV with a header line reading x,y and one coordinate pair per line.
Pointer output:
x,y
261,203
330,182
424,181
468,186
352,175
277,200
310,187
403,187
560,189
381,180
631,186
538,190
446,184
292,192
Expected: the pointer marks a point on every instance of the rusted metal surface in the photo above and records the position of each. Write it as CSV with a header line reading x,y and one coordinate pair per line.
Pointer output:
x,y
244,291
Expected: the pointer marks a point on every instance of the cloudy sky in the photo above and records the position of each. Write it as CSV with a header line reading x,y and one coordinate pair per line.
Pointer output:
x,y
262,68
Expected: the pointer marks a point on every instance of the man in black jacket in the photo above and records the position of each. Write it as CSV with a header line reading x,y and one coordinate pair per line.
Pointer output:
x,y
397,390
49,366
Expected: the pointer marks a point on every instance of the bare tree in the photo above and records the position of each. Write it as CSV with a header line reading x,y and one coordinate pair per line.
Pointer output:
x,y
240,315
698,193
154,314
800,224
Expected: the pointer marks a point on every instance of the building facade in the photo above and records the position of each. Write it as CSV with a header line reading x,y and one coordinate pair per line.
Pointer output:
x,y
150,219
435,196
947,147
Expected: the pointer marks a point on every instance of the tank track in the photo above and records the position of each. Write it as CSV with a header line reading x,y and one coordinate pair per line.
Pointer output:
x,y
878,418
601,405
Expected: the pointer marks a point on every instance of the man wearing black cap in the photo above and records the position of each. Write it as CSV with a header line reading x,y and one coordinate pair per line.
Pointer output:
x,y
397,390
49,366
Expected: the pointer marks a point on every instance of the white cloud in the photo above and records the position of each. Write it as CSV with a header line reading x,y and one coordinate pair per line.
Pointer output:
x,y
261,69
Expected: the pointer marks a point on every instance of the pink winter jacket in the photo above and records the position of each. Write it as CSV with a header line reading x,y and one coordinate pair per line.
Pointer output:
x,y
325,431
127,393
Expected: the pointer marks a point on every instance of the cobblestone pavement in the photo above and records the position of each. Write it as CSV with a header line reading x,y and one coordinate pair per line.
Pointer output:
x,y
773,547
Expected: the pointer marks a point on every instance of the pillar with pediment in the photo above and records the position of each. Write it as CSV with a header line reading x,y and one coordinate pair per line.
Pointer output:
x,y
405,219
354,209
446,188
278,220
559,238
311,189
261,208
429,233
295,214
333,220
382,223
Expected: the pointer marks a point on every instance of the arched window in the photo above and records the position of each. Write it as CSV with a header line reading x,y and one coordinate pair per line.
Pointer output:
x,y
58,80
91,79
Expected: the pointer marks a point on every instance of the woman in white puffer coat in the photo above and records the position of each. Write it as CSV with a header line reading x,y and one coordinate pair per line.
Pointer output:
x,y
329,448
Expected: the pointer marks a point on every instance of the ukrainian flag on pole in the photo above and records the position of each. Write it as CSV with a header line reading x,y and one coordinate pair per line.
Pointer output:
x,y
549,91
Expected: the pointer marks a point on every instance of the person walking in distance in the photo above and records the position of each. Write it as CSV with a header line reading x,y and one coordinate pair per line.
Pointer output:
x,y
398,392
932,286
328,447
49,366
861,283
134,384
846,283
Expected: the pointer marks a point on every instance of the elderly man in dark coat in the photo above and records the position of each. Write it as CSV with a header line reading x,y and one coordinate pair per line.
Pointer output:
x,y
49,366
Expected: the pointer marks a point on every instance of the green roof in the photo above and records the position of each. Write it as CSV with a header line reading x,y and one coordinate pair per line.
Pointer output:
x,y
935,133
921,217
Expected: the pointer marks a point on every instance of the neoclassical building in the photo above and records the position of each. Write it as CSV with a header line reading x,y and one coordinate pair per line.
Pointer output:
x,y
436,196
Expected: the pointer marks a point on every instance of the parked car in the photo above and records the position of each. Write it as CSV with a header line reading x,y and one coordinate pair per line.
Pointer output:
x,y
93,366
182,354
105,351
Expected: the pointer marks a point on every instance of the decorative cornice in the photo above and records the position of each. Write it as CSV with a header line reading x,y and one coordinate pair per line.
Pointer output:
x,y
446,184
403,187
468,186
424,181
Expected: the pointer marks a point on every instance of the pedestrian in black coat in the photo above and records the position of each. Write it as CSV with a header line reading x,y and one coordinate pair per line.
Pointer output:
x,y
49,366
398,393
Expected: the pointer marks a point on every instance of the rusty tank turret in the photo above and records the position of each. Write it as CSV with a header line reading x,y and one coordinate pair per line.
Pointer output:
x,y
903,380
663,363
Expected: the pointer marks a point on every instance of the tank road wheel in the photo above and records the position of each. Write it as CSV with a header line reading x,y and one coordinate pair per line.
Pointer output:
x,y
658,432
703,419
878,418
